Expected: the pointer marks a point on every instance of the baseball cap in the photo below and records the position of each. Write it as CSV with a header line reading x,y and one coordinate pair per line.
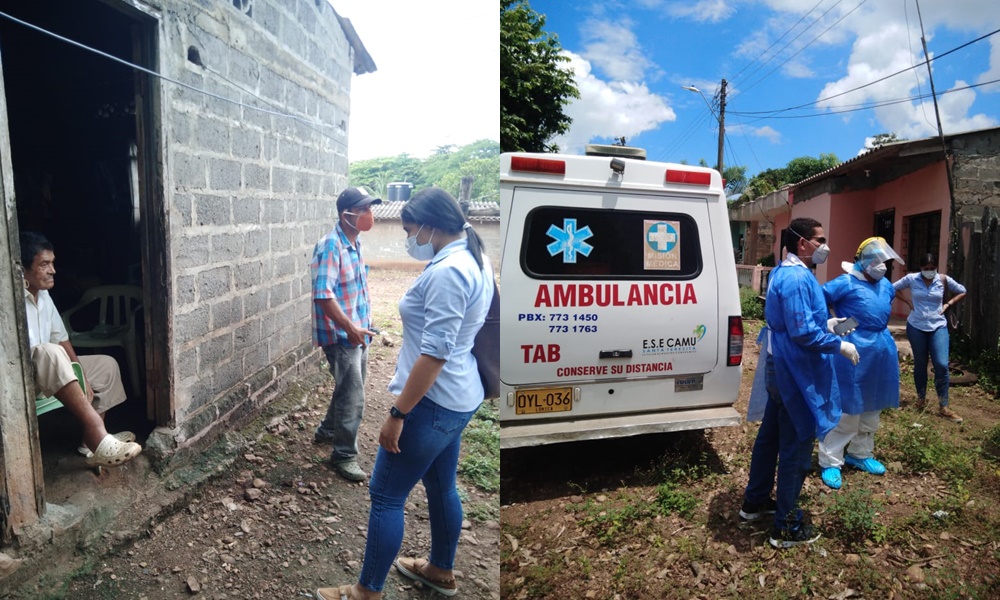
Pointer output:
x,y
353,196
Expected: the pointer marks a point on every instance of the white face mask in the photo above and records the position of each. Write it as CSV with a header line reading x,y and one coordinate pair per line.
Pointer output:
x,y
929,273
820,254
420,251
876,271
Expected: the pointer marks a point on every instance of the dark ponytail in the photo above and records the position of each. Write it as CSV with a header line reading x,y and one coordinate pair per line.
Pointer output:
x,y
436,208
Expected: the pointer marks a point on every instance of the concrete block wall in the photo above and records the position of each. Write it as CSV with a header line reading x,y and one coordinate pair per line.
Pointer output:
x,y
247,193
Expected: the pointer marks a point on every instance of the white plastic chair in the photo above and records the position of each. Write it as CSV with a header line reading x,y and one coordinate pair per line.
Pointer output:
x,y
116,324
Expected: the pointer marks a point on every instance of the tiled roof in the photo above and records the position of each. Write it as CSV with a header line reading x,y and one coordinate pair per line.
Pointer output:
x,y
482,212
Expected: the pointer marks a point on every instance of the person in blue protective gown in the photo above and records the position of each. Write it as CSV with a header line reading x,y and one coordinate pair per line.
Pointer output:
x,y
803,401
865,294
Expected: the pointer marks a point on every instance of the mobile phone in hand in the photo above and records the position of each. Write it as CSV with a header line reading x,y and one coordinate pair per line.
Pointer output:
x,y
845,327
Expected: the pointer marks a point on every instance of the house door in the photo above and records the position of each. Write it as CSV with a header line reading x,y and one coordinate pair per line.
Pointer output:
x,y
78,149
885,227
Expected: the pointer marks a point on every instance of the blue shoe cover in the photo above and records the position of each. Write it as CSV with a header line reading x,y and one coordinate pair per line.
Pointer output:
x,y
869,465
831,477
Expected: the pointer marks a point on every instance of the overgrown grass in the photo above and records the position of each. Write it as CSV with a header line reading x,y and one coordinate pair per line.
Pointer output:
x,y
480,463
634,510
922,449
854,515
751,306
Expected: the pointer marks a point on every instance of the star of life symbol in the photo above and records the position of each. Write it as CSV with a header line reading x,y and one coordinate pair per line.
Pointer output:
x,y
569,240
661,237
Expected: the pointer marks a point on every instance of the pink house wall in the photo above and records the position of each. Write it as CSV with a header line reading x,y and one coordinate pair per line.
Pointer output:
x,y
848,218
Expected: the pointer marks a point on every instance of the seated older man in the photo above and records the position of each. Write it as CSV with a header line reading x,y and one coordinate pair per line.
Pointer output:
x,y
52,355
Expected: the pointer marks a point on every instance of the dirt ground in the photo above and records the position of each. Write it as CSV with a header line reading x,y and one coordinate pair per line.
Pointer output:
x,y
278,523
655,517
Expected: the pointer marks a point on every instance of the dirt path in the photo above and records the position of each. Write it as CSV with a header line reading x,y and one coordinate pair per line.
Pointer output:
x,y
279,523
655,517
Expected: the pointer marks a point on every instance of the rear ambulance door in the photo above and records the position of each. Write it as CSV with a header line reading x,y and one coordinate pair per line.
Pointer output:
x,y
609,286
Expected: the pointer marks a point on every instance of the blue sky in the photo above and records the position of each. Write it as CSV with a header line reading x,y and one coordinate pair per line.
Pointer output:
x,y
630,60
438,76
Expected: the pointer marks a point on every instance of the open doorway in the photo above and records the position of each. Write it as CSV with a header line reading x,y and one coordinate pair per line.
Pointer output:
x,y
80,153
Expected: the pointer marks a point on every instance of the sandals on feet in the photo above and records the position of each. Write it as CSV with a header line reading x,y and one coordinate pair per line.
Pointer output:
x,y
342,592
121,436
112,452
413,568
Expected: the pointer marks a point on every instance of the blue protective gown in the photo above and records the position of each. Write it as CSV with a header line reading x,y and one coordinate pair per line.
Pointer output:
x,y
874,383
803,349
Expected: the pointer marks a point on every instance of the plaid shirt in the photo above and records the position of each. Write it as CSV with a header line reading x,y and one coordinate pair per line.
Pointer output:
x,y
339,272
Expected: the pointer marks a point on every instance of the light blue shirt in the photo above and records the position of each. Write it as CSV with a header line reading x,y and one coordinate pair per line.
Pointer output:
x,y
442,312
927,299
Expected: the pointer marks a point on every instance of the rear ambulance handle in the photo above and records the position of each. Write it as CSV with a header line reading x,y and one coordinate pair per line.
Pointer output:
x,y
615,354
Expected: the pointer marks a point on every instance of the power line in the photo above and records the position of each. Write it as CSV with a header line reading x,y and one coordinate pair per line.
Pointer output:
x,y
142,69
835,23
791,41
871,83
787,31
879,104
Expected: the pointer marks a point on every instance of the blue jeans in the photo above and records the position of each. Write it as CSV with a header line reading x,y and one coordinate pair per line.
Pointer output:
x,y
429,448
777,448
349,367
936,344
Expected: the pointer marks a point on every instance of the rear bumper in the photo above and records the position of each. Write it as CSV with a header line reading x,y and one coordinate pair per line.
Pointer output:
x,y
536,433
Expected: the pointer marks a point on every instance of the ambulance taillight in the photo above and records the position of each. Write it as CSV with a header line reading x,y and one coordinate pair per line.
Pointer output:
x,y
735,341
537,165
688,177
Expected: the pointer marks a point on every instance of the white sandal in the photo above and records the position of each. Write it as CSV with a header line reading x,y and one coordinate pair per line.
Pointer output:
x,y
121,436
112,453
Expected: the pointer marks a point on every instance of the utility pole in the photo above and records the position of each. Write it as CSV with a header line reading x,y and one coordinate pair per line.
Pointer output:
x,y
952,227
722,125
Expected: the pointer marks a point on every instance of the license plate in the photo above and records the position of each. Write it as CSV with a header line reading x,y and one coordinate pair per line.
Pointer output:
x,y
689,384
543,400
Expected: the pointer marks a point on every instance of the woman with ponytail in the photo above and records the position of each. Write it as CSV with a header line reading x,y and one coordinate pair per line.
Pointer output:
x,y
438,390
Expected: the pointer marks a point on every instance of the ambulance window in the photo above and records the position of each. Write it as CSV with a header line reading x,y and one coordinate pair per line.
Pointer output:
x,y
584,243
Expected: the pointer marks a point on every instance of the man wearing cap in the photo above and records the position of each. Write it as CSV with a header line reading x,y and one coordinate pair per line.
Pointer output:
x,y
341,319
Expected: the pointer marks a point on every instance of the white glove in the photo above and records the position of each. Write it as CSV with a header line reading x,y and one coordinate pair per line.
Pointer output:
x,y
831,322
848,351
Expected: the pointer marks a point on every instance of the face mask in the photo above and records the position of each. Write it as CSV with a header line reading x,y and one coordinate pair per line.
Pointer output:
x,y
364,222
876,271
420,251
820,255
929,273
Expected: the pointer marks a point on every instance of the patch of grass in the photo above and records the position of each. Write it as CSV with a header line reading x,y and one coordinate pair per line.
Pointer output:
x,y
480,463
671,498
991,444
538,581
750,305
483,511
854,515
923,449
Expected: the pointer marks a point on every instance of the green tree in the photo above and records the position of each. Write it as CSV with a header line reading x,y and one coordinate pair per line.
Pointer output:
x,y
796,170
881,139
805,167
444,168
377,173
534,86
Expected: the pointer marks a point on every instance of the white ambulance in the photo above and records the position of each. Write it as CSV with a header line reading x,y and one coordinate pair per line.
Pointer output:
x,y
621,310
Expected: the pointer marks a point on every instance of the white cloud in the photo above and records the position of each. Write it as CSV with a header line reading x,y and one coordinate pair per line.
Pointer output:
x,y
767,132
613,49
711,11
886,39
609,109
438,79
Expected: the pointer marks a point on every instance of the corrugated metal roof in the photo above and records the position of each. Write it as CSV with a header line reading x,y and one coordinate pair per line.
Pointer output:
x,y
482,212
